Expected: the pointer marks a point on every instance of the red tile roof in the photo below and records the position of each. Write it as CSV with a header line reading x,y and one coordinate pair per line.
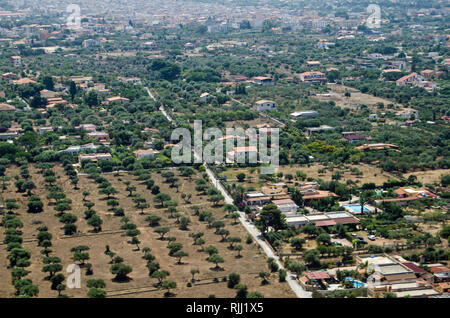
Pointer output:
x,y
347,220
318,275
439,269
415,268
325,223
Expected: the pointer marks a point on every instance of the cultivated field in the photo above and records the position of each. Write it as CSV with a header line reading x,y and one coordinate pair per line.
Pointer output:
x,y
140,284
370,174
355,100
429,176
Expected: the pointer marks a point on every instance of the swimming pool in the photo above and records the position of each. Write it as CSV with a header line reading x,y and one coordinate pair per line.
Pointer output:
x,y
356,208
356,283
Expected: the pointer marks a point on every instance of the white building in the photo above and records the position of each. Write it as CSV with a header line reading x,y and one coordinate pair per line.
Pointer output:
x,y
204,97
77,149
91,43
16,61
148,153
263,105
287,206
304,114
43,130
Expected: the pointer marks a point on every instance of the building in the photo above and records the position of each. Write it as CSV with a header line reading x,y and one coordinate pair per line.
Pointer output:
x,y
428,74
117,99
86,80
410,79
351,138
378,146
10,76
441,274
147,153
313,63
304,114
314,194
77,149
275,191
262,80
394,276
25,81
87,127
94,157
7,108
43,130
53,101
373,117
45,93
91,43
313,77
204,97
100,136
287,206
9,135
429,86
150,131
263,105
406,195
323,219
243,155
16,61
151,45
256,198
133,80
311,130
413,289
376,56
408,113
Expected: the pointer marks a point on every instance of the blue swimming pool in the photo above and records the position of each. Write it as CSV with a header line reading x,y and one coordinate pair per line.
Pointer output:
x,y
356,283
356,208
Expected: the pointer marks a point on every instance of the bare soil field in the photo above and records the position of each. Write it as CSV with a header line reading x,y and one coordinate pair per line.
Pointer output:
x,y
355,100
429,176
250,123
140,284
370,174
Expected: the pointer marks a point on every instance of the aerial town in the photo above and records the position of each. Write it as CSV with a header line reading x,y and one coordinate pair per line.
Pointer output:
x,y
349,99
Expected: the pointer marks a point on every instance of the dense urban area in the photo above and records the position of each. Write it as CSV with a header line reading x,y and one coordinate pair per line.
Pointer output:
x,y
356,92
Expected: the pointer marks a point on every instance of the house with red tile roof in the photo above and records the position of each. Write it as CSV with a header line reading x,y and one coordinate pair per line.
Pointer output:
x,y
145,153
262,80
246,153
25,81
117,99
410,79
378,146
7,108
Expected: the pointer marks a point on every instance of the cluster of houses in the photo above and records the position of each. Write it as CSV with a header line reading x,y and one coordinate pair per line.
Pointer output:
x,y
277,194
386,274
419,80
406,195
404,278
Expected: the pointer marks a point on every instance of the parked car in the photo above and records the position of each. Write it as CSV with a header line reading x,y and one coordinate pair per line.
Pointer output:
x,y
363,242
371,237
354,235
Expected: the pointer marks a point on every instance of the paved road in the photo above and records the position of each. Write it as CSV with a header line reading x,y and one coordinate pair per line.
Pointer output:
x,y
161,108
254,232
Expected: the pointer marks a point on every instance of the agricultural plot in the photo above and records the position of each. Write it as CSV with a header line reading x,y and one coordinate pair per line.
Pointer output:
x,y
355,99
367,174
138,283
